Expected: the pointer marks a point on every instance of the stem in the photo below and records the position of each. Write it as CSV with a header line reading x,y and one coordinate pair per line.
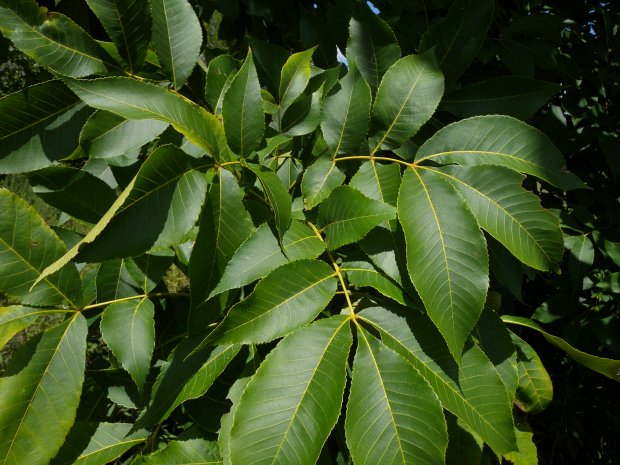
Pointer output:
x,y
134,297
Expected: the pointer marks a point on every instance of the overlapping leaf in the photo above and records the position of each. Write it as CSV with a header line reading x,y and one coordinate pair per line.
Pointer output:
x,y
483,407
107,135
407,97
277,195
446,255
190,452
14,318
289,297
282,423
221,71
242,110
40,392
162,207
509,213
294,77
134,99
378,181
177,37
128,23
364,274
40,125
393,416
128,329
319,180
347,216
27,247
53,39
97,443
499,140
534,391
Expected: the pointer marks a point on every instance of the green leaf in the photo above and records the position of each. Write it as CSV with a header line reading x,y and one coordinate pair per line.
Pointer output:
x,y
516,96
377,181
255,258
393,416
107,135
190,452
535,390
53,40
407,97
128,23
527,454
141,100
277,195
499,140
509,213
483,406
147,270
114,281
92,235
303,115
161,209
177,37
187,374
300,242
283,423
459,36
40,126
289,297
27,247
446,255
371,46
97,443
581,258
128,329
220,73
42,394
294,77
64,187
364,274
604,366
224,226
347,216
464,446
14,318
319,180
346,114
242,110
506,268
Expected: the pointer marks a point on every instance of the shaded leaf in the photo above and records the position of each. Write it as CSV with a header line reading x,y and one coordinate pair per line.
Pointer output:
x,y
294,77
220,73
97,443
364,274
190,452
107,135
40,125
407,97
114,281
277,195
581,258
161,209
27,247
499,140
52,39
128,329
14,318
128,23
289,297
378,181
458,37
516,96
42,394
393,416
371,46
446,255
187,374
177,37
534,391
605,366
347,216
278,423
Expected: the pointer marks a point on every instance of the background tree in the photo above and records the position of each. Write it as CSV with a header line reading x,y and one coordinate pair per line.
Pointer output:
x,y
263,255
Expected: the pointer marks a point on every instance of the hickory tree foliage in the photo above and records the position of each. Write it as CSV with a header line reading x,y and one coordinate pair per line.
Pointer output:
x,y
344,233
